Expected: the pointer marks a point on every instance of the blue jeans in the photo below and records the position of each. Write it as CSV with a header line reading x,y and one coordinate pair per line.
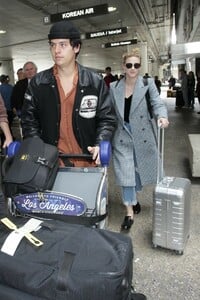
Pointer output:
x,y
129,193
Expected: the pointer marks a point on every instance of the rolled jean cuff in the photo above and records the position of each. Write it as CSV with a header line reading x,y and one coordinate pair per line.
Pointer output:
x,y
129,203
128,195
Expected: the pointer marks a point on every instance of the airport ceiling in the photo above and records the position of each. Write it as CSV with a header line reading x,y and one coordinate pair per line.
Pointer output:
x,y
26,34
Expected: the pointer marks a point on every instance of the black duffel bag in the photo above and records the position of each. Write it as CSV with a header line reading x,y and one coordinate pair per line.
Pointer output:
x,y
33,168
74,263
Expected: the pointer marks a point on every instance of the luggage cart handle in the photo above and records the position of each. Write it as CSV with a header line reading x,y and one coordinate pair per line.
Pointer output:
x,y
160,157
104,153
80,155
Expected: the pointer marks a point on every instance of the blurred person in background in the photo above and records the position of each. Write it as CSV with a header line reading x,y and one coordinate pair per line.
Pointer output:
x,y
191,89
197,90
109,77
184,87
172,82
17,97
4,126
158,84
6,91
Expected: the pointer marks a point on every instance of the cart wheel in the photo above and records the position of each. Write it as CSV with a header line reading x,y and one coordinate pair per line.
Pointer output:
x,y
13,148
105,153
179,252
10,206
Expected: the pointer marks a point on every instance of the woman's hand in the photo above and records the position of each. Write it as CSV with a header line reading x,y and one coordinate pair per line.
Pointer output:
x,y
163,122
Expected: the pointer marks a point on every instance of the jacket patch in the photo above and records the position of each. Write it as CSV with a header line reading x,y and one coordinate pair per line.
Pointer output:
x,y
88,106
27,96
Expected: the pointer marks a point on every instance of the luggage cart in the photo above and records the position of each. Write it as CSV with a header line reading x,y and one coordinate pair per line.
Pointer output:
x,y
79,194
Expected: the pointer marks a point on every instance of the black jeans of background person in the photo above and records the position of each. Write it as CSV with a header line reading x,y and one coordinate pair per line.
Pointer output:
x,y
191,98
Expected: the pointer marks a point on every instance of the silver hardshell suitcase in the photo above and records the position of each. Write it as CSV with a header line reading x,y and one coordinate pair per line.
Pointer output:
x,y
171,207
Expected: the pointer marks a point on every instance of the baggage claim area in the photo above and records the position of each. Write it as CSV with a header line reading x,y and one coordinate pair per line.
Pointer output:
x,y
158,272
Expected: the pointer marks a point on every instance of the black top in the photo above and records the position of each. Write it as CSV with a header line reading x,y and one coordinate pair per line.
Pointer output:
x,y
127,107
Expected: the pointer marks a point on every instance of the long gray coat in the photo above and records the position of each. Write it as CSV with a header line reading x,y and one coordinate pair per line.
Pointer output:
x,y
143,138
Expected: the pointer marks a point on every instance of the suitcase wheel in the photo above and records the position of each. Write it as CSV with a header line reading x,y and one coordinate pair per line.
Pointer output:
x,y
179,252
11,207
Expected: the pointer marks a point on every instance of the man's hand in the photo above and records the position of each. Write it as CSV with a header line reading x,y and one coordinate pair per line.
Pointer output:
x,y
7,141
95,154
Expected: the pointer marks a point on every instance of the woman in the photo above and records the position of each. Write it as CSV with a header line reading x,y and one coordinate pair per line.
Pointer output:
x,y
198,88
191,88
134,142
4,124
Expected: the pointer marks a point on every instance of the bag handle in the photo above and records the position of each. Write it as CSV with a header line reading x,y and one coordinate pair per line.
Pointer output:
x,y
64,271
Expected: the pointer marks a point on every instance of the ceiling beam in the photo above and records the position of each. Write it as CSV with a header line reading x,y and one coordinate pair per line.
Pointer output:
x,y
139,14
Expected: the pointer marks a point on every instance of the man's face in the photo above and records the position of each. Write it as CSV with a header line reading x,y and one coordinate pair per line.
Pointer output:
x,y
108,71
62,52
29,70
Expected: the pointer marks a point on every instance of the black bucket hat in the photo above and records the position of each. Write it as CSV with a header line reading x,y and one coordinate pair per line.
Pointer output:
x,y
63,30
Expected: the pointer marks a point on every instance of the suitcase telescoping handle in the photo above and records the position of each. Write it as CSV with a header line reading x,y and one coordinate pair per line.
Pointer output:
x,y
160,157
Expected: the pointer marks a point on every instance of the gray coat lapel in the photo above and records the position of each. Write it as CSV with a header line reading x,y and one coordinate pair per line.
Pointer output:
x,y
119,92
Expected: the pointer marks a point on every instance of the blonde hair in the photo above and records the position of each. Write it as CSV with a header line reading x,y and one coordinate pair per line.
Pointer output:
x,y
134,52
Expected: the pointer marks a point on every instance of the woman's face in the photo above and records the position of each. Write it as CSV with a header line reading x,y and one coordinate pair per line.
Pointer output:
x,y
132,66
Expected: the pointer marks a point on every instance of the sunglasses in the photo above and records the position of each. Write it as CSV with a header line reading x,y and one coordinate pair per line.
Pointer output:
x,y
130,65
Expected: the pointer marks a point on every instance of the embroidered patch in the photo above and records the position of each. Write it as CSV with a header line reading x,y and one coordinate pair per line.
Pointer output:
x,y
50,202
88,106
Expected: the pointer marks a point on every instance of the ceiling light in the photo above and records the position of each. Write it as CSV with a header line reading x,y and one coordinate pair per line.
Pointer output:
x,y
112,8
2,31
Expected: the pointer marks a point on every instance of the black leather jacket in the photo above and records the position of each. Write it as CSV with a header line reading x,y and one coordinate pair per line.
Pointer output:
x,y
93,114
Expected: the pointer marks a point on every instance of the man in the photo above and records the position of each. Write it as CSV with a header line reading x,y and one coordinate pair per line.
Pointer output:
x,y
17,97
68,105
184,87
109,77
172,82
4,125
20,74
6,90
